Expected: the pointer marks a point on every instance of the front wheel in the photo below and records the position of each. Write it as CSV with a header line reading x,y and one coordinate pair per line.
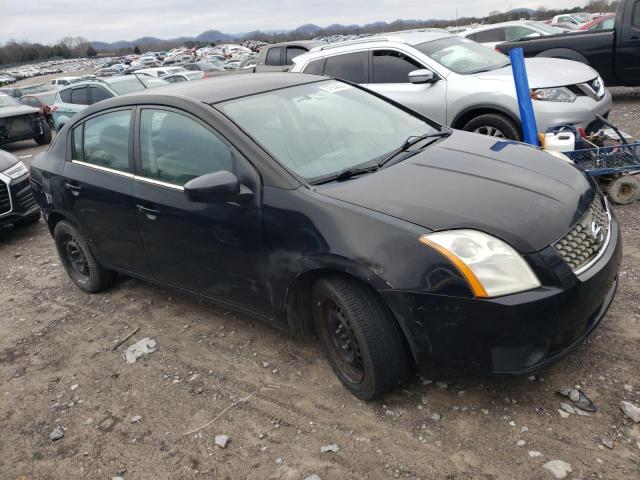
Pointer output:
x,y
80,264
360,337
494,125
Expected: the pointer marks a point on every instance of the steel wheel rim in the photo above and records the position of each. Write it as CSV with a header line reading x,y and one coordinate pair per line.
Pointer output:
x,y
343,344
489,131
76,257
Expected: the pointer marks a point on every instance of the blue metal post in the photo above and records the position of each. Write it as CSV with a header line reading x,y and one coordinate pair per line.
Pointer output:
x,y
527,116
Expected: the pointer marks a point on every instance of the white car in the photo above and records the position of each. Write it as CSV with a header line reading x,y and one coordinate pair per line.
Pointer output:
x,y
63,81
492,35
575,18
161,71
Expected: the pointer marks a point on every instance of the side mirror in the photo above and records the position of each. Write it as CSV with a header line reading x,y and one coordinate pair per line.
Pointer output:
x,y
422,76
222,186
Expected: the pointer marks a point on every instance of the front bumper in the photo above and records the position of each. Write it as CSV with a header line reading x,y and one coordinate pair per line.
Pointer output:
x,y
16,200
514,334
581,113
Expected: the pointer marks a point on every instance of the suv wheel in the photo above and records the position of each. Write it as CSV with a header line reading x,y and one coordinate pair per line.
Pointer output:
x,y
78,261
359,336
494,125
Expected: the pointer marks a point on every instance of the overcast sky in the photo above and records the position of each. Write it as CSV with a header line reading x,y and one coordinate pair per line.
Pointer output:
x,y
46,21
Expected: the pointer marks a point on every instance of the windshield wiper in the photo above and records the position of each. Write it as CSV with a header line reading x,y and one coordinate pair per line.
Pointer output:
x,y
345,174
411,141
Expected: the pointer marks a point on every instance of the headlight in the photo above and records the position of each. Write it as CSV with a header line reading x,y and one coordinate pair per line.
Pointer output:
x,y
557,94
490,266
16,171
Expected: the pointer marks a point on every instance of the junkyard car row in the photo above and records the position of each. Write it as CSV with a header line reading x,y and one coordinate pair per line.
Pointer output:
x,y
192,185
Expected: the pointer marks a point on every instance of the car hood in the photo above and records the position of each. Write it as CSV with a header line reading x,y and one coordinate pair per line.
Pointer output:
x,y
7,160
14,111
546,72
513,191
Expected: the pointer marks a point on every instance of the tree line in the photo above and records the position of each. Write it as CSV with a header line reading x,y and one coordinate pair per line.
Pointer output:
x,y
16,52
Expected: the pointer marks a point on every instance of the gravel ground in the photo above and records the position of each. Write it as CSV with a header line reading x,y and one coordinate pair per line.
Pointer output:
x,y
59,374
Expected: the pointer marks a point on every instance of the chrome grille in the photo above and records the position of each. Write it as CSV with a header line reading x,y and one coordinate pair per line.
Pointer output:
x,y
5,201
585,240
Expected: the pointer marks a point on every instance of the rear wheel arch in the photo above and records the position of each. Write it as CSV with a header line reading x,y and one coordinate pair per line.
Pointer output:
x,y
564,54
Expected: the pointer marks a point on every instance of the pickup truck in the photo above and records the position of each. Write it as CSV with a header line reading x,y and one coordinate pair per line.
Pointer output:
x,y
614,54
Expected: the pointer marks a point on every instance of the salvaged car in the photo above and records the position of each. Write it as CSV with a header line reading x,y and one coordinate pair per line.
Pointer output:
x,y
17,205
319,206
21,122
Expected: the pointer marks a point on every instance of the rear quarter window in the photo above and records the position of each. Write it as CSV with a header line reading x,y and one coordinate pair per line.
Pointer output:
x,y
65,96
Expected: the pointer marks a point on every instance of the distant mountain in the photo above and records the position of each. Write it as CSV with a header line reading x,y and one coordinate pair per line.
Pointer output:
x,y
213,36
308,28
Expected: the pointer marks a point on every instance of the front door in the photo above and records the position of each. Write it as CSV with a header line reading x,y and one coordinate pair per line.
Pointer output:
x,y
390,77
215,249
98,190
629,45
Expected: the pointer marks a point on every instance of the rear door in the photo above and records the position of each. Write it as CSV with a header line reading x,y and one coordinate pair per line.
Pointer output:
x,y
628,59
98,181
215,249
390,77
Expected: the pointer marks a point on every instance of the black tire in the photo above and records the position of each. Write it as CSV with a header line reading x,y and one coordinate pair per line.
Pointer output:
x,y
78,261
45,137
360,337
30,220
51,123
489,123
624,190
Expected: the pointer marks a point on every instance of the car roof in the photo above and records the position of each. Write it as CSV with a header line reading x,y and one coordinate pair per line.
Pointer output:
x,y
409,37
304,43
482,28
218,89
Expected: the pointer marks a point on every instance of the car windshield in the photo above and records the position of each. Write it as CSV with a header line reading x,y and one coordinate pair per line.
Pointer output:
x,y
463,56
7,101
320,129
548,29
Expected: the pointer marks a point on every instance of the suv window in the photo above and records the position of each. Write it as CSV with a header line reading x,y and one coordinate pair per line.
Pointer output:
x,y
488,36
293,52
98,94
80,96
106,140
315,67
392,67
349,66
273,57
176,148
515,33
65,96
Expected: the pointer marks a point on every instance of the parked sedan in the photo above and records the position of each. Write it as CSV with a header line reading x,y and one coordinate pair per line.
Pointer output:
x,y
17,205
319,206
492,35
21,122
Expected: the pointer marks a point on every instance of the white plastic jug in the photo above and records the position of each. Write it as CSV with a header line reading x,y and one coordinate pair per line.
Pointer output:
x,y
560,141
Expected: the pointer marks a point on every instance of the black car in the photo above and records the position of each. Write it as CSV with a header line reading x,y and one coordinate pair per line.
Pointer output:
x,y
21,122
17,205
321,207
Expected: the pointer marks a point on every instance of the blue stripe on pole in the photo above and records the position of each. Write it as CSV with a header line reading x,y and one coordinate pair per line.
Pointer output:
x,y
527,115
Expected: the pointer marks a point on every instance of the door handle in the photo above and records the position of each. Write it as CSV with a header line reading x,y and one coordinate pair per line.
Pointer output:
x,y
75,189
149,212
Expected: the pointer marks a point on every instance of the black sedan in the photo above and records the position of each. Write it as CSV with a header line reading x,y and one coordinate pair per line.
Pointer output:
x,y
21,122
318,206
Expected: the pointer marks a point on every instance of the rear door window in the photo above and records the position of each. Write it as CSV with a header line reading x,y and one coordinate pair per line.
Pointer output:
x,y
349,66
273,57
293,52
390,66
106,140
80,96
489,36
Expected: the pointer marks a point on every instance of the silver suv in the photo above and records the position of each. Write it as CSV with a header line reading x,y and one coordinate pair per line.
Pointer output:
x,y
463,84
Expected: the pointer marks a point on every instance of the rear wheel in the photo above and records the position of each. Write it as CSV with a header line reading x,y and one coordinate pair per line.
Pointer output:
x,y
359,336
494,125
45,137
78,261
624,190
